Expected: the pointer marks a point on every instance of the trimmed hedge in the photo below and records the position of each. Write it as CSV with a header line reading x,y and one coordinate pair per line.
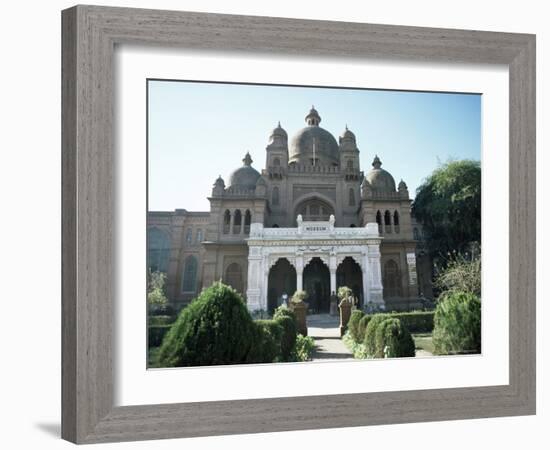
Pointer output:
x,y
216,328
287,319
353,324
393,340
370,334
416,321
267,343
457,324
362,328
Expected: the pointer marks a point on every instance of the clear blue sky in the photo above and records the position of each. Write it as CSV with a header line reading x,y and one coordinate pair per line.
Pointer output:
x,y
198,131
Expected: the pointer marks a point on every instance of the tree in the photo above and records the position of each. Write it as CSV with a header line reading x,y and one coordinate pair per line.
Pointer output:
x,y
448,205
155,289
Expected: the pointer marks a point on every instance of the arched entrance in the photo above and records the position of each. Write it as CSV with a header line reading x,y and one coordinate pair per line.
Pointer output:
x,y
317,286
282,279
349,274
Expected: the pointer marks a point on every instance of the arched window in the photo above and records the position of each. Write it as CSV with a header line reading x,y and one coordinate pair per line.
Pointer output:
x,y
396,221
351,199
237,222
276,162
391,280
352,225
275,226
234,277
275,196
387,221
226,221
189,280
189,236
314,210
349,164
158,250
379,221
247,220
416,234
199,236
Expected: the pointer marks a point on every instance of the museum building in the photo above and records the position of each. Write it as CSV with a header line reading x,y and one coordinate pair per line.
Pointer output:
x,y
310,220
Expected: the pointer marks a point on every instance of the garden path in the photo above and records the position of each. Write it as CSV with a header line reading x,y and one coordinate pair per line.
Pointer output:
x,y
325,330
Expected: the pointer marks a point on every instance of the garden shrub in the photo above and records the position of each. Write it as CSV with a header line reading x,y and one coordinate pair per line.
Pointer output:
x,y
156,333
393,340
161,320
370,333
266,347
305,345
287,320
353,324
416,321
362,327
457,324
216,328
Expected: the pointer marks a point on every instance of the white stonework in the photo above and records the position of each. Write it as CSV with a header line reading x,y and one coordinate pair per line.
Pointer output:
x,y
307,241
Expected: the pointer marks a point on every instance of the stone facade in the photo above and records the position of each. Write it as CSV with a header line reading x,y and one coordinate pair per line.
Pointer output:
x,y
310,219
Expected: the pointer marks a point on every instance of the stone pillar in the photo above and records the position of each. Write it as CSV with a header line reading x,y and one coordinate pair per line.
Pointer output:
x,y
375,289
265,281
333,267
299,272
254,288
366,279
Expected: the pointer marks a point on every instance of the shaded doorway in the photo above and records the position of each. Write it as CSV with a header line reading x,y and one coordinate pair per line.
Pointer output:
x,y
282,279
349,274
317,286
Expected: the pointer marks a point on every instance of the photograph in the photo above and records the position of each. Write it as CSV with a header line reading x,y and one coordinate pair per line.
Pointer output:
x,y
302,223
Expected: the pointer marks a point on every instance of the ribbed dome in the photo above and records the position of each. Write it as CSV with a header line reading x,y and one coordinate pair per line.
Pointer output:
x,y
244,177
313,142
380,179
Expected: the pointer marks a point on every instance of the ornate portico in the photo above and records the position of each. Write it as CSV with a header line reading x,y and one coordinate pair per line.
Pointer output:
x,y
309,241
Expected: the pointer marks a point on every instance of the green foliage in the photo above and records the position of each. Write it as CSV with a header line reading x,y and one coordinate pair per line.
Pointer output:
x,y
160,320
416,321
266,347
156,333
358,349
287,320
393,340
448,204
345,293
370,334
155,288
216,328
305,345
362,328
457,324
462,273
353,324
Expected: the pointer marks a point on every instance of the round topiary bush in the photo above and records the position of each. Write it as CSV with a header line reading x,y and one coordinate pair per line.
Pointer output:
x,y
370,334
393,340
457,324
216,328
353,324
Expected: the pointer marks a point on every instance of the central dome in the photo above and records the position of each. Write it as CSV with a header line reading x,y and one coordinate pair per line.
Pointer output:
x,y
314,142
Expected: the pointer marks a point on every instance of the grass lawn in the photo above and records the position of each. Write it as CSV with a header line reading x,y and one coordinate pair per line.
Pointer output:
x,y
423,341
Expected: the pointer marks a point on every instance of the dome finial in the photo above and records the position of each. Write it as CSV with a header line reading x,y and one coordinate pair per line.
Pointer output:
x,y
313,119
279,124
247,160
376,163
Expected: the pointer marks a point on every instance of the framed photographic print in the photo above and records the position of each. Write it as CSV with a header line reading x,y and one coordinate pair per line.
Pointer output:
x,y
277,224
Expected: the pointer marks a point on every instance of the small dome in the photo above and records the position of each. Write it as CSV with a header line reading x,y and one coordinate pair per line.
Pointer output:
x,y
379,179
347,135
314,142
279,131
402,185
246,176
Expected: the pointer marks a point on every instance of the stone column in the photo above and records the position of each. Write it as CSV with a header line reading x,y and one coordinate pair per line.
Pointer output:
x,y
375,274
265,281
299,272
333,267
366,278
254,284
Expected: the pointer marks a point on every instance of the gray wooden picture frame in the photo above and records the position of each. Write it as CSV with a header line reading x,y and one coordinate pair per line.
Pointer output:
x,y
90,34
